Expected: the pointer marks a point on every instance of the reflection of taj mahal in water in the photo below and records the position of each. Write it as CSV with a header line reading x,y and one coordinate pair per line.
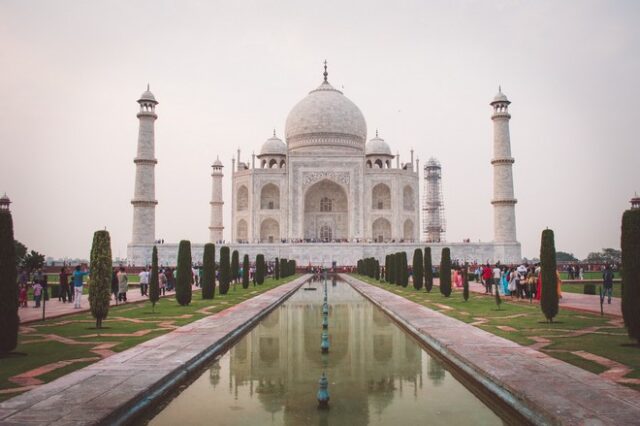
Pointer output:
x,y
325,194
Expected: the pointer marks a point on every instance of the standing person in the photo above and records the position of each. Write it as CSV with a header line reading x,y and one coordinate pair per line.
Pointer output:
x,y
496,275
123,284
144,281
504,281
78,277
486,278
162,281
63,291
170,278
607,282
114,284
37,293
22,296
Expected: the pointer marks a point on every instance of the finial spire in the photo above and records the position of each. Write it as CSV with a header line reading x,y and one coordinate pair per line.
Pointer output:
x,y
147,87
376,133
326,74
274,132
499,88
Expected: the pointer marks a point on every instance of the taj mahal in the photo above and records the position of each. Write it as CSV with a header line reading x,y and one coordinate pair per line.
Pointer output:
x,y
325,195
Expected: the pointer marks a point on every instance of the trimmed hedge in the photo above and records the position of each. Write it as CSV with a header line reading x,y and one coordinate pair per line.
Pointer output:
x,y
9,319
260,269
245,271
445,272
225,270
208,281
630,245
101,271
277,269
417,269
235,266
154,280
428,270
184,273
548,270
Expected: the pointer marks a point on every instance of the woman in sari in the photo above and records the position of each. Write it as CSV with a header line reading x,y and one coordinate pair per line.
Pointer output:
x,y
504,281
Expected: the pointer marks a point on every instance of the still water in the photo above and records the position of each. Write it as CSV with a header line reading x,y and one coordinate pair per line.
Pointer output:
x,y
378,374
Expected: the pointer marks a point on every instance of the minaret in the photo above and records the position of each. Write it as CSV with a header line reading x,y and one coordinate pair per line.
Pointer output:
x,y
433,218
216,228
144,197
504,213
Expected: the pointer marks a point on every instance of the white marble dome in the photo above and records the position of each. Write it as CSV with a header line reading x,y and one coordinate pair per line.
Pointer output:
x,y
500,97
147,96
273,146
327,118
377,146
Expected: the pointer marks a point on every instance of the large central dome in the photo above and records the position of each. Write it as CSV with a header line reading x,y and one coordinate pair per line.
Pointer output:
x,y
328,119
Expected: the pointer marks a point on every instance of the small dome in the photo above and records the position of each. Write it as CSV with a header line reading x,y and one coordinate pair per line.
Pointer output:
x,y
147,96
500,97
377,146
433,162
273,146
217,163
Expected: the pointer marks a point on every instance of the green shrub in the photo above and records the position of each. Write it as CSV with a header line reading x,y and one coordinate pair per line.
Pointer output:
x,y
208,281
9,319
154,280
283,268
445,272
404,269
417,269
377,266
392,268
548,271
465,284
428,270
260,267
101,271
276,269
225,270
630,245
245,271
589,288
184,273
235,266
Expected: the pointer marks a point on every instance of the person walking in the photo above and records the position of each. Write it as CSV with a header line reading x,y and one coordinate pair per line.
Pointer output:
x,y
78,277
162,281
496,274
123,284
486,278
607,282
63,291
114,284
37,293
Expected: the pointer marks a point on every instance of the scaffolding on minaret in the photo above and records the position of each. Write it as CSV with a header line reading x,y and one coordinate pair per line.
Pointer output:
x,y
433,219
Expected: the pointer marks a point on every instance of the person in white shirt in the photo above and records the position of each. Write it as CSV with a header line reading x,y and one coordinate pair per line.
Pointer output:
x,y
497,273
144,281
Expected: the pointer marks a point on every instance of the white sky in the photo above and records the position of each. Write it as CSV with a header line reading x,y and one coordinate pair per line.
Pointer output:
x,y
227,73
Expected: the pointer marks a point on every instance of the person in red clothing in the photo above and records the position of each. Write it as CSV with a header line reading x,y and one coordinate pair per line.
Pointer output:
x,y
486,278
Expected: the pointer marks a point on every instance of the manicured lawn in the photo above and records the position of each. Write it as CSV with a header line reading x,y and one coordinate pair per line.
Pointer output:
x,y
589,275
570,333
579,288
74,337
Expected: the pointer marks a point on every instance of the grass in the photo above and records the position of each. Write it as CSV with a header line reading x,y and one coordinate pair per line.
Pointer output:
x,y
579,288
610,341
80,328
595,275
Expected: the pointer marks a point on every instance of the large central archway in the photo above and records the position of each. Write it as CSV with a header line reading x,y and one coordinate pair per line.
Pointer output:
x,y
326,212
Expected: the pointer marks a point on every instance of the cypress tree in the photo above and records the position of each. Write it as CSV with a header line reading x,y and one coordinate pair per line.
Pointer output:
x,y
445,272
465,284
293,266
185,275
209,271
245,271
283,268
9,319
386,268
399,268
377,266
235,266
417,269
630,245
260,268
225,270
549,296
154,280
392,269
101,271
428,270
277,269
404,269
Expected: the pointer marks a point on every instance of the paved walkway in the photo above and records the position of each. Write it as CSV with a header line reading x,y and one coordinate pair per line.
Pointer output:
x,y
543,389
575,301
118,388
54,308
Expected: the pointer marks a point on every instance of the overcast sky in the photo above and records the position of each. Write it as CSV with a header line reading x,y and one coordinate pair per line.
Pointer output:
x,y
227,73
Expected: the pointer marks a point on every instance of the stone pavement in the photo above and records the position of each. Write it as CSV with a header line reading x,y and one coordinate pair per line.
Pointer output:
x,y
543,389
55,309
118,388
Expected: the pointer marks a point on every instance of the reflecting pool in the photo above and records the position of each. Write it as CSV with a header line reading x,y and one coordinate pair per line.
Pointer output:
x,y
378,374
